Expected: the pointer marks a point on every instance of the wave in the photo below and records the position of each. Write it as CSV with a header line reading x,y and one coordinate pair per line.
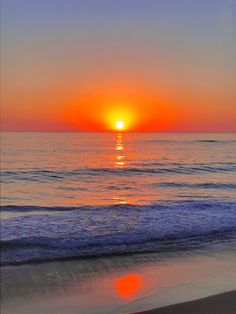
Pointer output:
x,y
191,141
152,168
34,208
190,205
47,252
89,231
207,185
216,141
211,141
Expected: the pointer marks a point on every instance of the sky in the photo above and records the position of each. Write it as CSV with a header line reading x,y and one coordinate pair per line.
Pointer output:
x,y
82,65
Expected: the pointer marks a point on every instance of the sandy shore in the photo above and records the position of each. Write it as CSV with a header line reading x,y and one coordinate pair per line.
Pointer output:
x,y
124,284
224,303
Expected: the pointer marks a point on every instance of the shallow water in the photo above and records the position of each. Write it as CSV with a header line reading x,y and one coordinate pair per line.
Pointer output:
x,y
116,285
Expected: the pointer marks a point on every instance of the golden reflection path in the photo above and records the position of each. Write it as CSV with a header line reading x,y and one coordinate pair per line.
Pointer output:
x,y
120,159
119,163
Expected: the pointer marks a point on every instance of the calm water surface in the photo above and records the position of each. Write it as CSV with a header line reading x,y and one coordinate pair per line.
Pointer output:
x,y
63,169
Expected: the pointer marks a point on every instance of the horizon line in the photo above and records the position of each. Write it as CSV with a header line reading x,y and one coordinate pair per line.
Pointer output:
x,y
109,131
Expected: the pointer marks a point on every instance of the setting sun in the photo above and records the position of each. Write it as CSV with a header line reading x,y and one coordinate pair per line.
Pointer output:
x,y
120,125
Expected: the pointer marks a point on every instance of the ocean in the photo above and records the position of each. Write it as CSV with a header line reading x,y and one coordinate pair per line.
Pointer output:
x,y
77,195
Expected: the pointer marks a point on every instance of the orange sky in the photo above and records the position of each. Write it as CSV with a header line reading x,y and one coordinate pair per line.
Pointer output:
x,y
81,66
139,109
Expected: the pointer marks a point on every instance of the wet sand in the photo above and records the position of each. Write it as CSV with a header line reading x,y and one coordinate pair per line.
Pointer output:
x,y
125,284
224,303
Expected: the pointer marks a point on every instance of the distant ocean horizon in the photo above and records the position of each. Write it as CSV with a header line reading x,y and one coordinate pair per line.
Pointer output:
x,y
75,194
115,132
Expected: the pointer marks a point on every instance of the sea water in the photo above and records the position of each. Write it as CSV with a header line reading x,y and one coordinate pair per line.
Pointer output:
x,y
76,195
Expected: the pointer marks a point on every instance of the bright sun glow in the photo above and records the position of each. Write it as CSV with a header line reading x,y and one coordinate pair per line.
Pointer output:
x,y
119,120
120,125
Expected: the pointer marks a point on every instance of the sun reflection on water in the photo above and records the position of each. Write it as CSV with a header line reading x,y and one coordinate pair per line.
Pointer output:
x,y
128,286
120,159
119,163
119,200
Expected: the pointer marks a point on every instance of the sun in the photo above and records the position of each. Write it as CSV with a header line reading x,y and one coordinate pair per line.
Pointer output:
x,y
120,125
120,121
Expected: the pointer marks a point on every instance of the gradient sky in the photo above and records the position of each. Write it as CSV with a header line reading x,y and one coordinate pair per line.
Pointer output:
x,y
162,65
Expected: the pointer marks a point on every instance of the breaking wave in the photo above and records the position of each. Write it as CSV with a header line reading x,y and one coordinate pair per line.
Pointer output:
x,y
88,231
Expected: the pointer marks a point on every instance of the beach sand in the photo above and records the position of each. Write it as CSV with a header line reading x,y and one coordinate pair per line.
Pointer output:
x,y
224,303
123,284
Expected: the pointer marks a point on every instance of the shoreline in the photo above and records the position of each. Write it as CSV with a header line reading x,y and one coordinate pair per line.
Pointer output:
x,y
122,284
223,303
